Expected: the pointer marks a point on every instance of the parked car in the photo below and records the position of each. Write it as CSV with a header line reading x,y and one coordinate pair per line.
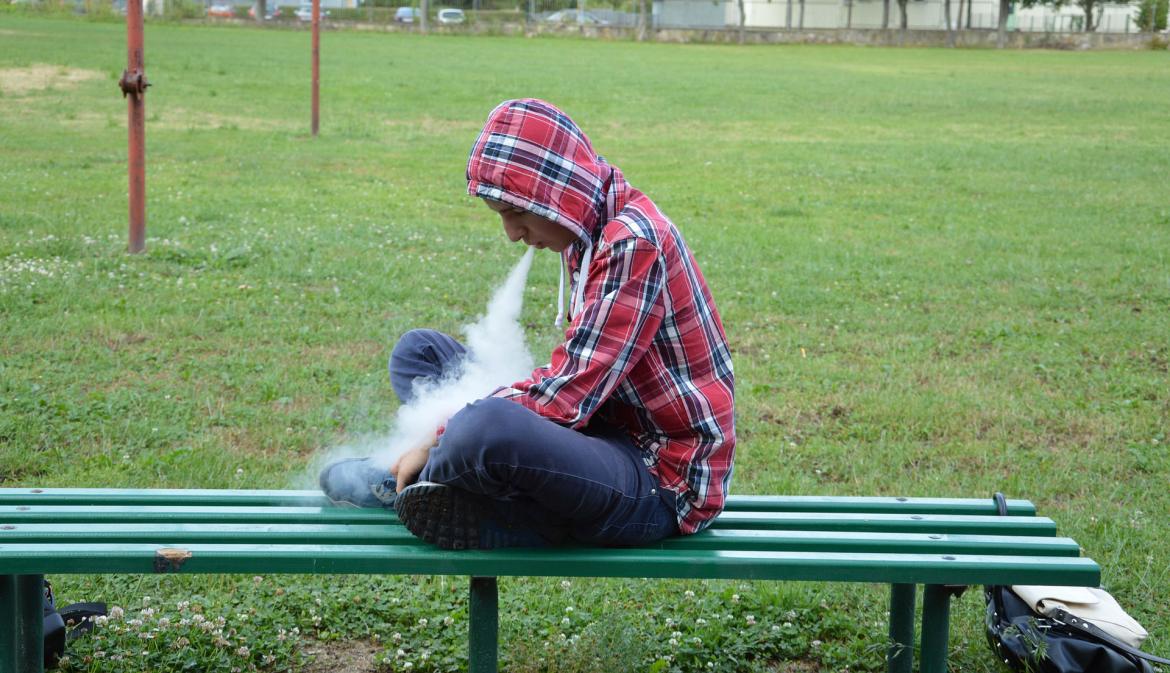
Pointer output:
x,y
407,15
573,17
270,11
305,12
451,16
221,10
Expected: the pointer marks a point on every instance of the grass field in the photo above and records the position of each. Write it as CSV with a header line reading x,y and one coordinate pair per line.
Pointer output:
x,y
942,273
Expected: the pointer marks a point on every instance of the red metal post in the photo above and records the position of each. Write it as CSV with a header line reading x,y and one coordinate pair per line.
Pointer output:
x,y
133,84
316,65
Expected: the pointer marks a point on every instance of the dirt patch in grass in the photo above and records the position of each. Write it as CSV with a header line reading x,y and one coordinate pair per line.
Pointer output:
x,y
354,656
42,76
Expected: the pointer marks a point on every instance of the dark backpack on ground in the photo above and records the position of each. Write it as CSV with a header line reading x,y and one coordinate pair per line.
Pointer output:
x,y
65,624
1060,643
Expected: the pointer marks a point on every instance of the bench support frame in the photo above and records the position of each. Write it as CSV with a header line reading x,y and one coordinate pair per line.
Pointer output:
x,y
22,623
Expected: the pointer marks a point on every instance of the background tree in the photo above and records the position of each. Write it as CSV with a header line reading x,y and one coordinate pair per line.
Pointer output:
x,y
885,14
1005,8
742,19
1152,15
1093,9
902,9
947,14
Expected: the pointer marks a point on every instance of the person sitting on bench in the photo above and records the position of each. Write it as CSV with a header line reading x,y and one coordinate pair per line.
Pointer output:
x,y
627,436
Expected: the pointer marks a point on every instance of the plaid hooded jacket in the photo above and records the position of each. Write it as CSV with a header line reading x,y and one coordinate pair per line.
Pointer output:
x,y
645,349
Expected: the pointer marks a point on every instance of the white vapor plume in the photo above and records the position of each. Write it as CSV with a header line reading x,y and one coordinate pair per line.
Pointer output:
x,y
496,356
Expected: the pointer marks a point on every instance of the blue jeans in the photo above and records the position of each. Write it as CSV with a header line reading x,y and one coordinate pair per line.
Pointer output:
x,y
590,485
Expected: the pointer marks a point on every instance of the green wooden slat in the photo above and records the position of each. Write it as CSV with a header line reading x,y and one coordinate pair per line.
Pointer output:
x,y
771,540
190,514
890,523
410,559
161,497
871,505
887,523
313,498
224,533
855,542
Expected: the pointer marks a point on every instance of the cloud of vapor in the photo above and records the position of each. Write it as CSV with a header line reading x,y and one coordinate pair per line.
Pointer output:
x,y
496,356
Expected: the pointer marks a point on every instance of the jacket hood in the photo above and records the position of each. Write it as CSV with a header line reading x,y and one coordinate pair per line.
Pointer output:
x,y
533,156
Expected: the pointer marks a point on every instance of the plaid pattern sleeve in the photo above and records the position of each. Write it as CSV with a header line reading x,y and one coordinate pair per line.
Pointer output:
x,y
622,313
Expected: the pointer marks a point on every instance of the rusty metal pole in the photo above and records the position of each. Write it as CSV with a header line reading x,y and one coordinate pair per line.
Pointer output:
x,y
133,84
316,65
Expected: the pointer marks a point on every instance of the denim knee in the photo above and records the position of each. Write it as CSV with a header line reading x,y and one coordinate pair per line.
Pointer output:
x,y
480,430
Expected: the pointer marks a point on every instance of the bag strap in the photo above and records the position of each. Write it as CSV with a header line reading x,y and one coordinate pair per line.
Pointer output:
x,y
1063,617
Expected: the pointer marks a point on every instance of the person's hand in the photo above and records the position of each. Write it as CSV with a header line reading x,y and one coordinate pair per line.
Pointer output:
x,y
405,470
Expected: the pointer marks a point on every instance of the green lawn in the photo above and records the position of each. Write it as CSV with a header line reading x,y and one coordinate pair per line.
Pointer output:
x,y
942,273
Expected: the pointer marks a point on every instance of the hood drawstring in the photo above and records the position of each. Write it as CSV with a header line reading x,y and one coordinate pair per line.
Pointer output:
x,y
561,296
578,303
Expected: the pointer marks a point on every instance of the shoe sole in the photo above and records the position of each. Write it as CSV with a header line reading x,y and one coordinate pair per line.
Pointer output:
x,y
441,516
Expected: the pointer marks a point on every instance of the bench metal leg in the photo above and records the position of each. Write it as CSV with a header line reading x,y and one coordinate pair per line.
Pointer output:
x,y
22,623
900,657
936,626
484,617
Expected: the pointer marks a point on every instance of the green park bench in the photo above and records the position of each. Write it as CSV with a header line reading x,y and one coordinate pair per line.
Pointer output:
x,y
903,542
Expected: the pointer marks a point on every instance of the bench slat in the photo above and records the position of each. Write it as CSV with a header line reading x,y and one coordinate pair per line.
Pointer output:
x,y
313,498
341,534
889,523
413,559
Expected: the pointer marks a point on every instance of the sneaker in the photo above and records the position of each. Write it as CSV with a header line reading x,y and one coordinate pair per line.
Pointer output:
x,y
358,482
450,518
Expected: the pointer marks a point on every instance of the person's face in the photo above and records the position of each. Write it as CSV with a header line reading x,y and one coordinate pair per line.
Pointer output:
x,y
534,230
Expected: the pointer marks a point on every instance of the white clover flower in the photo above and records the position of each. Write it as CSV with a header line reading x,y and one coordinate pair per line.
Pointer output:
x,y
569,609
689,594
147,613
565,621
401,653
407,665
750,619
565,584
396,637
199,619
674,642
676,634
816,643
101,620
775,628
163,622
243,651
448,620
117,613
422,621
734,598
697,640
700,621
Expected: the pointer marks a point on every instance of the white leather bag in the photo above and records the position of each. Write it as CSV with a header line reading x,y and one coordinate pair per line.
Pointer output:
x,y
1092,605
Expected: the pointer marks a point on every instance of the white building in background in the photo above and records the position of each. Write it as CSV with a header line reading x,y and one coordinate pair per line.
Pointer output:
x,y
921,14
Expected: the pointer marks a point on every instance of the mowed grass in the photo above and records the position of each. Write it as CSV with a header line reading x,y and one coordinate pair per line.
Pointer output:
x,y
942,273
